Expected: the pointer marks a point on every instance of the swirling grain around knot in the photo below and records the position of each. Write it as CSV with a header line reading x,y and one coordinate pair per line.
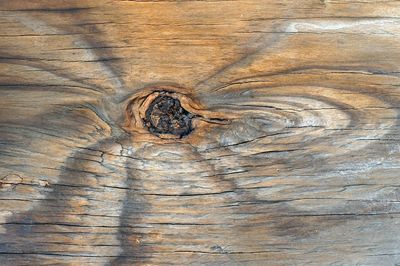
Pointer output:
x,y
307,114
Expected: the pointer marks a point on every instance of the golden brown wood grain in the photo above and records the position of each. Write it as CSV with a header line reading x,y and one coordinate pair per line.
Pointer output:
x,y
295,160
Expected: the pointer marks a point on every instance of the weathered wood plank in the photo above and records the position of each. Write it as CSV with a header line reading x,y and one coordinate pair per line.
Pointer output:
x,y
294,157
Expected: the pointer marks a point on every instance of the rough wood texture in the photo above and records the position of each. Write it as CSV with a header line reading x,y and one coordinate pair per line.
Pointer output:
x,y
294,158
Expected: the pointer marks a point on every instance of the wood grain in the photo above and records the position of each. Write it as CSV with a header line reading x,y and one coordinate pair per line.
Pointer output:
x,y
294,158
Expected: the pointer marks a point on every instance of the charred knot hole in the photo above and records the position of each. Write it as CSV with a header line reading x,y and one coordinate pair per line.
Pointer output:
x,y
165,115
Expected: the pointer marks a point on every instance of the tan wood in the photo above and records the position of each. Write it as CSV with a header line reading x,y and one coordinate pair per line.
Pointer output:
x,y
294,158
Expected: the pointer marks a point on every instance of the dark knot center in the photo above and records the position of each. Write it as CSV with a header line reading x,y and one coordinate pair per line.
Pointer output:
x,y
165,115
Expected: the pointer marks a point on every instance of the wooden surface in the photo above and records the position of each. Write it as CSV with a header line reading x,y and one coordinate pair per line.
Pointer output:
x,y
294,158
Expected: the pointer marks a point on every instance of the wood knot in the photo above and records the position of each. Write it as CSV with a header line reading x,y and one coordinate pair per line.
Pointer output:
x,y
165,115
169,113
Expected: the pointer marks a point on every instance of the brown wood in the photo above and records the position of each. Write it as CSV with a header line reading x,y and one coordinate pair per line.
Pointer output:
x,y
294,157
